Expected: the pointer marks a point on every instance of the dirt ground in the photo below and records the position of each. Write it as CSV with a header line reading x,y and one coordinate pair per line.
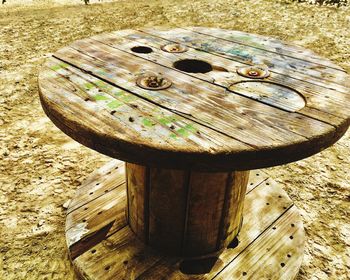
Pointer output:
x,y
41,167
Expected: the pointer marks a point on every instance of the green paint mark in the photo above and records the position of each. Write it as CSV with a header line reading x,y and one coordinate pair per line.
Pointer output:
x,y
127,97
173,135
114,104
55,67
190,128
101,84
59,66
183,132
100,97
166,120
147,122
88,86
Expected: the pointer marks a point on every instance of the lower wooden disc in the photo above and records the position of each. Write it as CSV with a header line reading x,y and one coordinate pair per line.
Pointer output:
x,y
102,246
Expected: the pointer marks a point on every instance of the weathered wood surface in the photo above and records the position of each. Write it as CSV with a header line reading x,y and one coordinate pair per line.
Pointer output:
x,y
183,212
214,121
270,220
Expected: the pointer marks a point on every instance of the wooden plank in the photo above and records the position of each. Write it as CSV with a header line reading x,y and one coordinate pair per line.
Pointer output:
x,y
256,177
166,216
287,66
87,225
232,215
232,103
121,256
137,199
269,44
205,207
105,180
284,242
225,75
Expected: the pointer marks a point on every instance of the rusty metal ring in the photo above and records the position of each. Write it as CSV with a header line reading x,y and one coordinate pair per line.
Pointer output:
x,y
153,82
174,48
253,72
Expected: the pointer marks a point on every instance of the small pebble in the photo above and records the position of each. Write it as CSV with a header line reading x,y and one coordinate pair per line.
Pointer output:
x,y
41,222
66,204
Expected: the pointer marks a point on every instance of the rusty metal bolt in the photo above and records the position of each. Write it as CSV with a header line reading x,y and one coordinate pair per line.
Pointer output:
x,y
254,72
153,82
174,48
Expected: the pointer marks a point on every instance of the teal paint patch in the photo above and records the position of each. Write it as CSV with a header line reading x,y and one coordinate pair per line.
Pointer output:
x,y
239,53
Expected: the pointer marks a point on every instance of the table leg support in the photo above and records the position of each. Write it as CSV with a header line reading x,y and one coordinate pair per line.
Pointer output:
x,y
183,212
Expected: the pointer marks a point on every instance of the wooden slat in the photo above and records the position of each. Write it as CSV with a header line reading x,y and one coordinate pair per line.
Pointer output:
x,y
121,256
167,222
105,180
284,242
205,207
136,184
269,44
287,66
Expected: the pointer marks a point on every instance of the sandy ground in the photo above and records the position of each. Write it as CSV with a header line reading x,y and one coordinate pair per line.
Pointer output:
x,y
41,167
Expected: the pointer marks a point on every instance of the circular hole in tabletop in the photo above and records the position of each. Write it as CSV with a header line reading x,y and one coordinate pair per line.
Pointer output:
x,y
244,273
282,264
141,49
193,66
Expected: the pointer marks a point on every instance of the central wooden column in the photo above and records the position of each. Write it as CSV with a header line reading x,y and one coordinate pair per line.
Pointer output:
x,y
183,212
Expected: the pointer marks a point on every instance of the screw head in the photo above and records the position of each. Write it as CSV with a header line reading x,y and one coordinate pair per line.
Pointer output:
x,y
174,48
254,72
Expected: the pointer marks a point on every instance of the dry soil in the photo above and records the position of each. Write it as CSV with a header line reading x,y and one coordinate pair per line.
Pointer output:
x,y
41,167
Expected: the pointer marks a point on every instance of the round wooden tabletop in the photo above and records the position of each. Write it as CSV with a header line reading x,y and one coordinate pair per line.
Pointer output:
x,y
199,98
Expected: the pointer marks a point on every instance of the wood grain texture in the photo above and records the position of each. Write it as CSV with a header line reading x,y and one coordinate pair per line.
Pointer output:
x,y
183,212
215,121
118,254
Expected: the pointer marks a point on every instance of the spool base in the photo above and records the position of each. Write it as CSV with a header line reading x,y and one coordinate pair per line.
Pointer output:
x,y
102,246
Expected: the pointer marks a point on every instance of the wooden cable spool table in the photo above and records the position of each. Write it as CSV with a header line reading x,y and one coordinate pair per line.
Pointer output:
x,y
190,111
